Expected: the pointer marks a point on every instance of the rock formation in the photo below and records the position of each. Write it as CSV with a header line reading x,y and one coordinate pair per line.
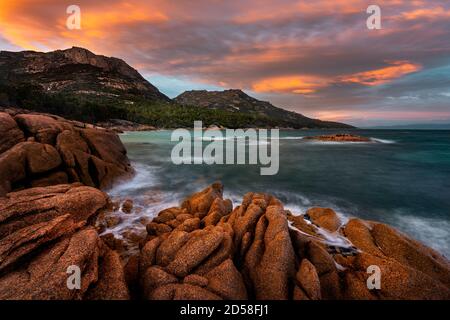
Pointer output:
x,y
206,250
343,137
43,150
43,233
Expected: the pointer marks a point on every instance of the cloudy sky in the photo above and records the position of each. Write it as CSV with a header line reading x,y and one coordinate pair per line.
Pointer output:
x,y
314,57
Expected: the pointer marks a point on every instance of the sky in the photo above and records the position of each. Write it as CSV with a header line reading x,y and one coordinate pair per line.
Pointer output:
x,y
317,57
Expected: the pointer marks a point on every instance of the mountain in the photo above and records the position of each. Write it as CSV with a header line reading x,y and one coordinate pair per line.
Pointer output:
x,y
76,71
78,84
237,101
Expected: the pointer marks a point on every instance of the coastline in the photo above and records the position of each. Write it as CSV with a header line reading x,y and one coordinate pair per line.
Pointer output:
x,y
205,248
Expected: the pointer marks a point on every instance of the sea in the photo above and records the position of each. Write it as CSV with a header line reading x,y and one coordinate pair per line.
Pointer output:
x,y
400,177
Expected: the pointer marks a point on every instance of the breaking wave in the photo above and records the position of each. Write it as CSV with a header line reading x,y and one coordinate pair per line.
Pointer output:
x,y
382,140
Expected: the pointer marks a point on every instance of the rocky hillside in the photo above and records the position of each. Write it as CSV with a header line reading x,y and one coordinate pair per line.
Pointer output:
x,y
237,101
75,71
76,84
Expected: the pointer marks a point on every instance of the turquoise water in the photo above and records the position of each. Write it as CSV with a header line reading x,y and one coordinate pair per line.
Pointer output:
x,y
403,179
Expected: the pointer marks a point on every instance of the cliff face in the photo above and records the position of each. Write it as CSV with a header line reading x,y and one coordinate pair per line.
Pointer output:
x,y
237,101
77,71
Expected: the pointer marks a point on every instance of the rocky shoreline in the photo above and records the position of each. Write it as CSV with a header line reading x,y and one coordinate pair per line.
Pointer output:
x,y
53,215
120,126
205,249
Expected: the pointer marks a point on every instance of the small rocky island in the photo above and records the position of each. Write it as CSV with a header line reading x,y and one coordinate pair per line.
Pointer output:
x,y
52,211
343,137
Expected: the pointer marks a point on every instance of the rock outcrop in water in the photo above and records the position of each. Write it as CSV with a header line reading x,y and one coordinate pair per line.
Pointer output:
x,y
204,249
42,150
344,137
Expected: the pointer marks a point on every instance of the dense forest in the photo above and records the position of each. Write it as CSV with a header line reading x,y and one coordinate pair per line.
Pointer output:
x,y
93,109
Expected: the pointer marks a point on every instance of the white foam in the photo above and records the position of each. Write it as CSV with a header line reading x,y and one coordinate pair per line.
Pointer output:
x,y
288,138
315,142
256,143
329,238
147,203
145,177
213,138
382,140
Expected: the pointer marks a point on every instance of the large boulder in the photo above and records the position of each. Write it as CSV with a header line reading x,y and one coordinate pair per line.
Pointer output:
x,y
44,128
25,161
57,151
44,234
10,134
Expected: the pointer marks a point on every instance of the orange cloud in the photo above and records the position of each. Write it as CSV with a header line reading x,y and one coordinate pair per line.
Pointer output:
x,y
265,10
426,13
291,84
397,70
311,84
29,25
121,14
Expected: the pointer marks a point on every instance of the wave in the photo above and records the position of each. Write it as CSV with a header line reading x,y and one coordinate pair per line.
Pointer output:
x,y
148,199
290,138
316,142
213,138
433,232
145,177
382,140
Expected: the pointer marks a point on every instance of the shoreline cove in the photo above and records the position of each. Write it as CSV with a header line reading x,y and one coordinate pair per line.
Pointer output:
x,y
168,234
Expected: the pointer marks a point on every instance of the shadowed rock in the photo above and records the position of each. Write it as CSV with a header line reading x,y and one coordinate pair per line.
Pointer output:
x,y
57,151
10,134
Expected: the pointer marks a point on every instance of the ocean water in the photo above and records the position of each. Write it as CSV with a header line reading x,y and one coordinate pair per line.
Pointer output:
x,y
402,179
